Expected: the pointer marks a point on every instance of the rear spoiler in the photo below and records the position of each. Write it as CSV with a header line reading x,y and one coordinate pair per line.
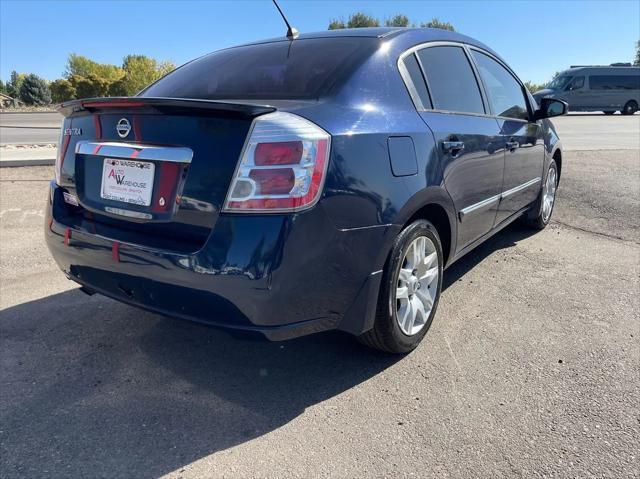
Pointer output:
x,y
174,105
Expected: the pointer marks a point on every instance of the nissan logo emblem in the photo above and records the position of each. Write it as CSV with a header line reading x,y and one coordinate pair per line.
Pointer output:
x,y
123,127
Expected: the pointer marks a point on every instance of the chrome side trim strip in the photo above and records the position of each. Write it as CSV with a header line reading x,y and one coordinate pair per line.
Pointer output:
x,y
484,204
136,151
521,187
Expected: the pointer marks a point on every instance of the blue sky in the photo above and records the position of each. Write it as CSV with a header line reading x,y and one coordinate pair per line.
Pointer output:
x,y
536,38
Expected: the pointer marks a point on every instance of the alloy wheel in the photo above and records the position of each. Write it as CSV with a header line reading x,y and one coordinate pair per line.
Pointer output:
x,y
417,285
549,196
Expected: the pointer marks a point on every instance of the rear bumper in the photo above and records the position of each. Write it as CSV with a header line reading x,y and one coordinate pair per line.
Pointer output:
x,y
282,275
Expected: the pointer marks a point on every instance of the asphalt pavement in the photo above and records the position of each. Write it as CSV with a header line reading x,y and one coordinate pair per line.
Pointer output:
x,y
531,368
29,128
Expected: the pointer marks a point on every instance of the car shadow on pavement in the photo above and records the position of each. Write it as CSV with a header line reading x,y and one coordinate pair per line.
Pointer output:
x,y
94,388
506,238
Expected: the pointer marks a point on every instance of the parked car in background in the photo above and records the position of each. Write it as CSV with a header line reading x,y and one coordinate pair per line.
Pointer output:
x,y
596,88
295,186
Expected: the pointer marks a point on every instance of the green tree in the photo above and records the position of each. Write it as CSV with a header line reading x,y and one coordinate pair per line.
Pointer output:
x,y
3,88
118,88
357,20
35,91
636,62
337,24
83,66
436,23
397,21
90,86
62,90
362,20
14,84
534,87
140,71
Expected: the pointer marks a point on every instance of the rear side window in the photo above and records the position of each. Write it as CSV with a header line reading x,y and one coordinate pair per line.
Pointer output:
x,y
411,64
505,93
614,82
303,69
450,79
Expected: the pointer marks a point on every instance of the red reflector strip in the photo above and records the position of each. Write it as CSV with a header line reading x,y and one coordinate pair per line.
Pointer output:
x,y
136,129
98,126
169,173
96,150
61,155
115,251
67,236
135,153
63,149
112,104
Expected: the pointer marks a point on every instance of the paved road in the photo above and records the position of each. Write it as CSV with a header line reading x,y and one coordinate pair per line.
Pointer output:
x,y
530,369
599,132
29,128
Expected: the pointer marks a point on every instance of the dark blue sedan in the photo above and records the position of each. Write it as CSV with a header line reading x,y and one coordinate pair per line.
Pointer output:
x,y
297,185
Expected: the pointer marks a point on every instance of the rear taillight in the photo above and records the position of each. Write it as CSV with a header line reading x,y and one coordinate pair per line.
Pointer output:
x,y
282,166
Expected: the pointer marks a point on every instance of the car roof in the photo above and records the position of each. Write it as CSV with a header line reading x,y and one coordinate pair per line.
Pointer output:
x,y
598,68
412,34
373,32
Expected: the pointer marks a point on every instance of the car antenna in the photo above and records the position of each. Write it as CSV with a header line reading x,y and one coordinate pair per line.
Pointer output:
x,y
292,33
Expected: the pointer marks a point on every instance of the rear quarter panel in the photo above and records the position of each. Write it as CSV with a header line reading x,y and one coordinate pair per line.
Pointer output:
x,y
360,190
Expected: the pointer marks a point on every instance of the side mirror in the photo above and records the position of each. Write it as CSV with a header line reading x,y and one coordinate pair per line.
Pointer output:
x,y
550,107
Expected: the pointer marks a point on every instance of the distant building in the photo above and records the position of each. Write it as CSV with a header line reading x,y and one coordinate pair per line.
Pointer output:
x,y
6,101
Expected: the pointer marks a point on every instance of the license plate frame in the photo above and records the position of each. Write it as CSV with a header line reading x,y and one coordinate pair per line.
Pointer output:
x,y
128,181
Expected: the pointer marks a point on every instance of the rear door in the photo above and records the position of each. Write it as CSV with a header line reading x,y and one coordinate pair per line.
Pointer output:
x,y
469,141
522,137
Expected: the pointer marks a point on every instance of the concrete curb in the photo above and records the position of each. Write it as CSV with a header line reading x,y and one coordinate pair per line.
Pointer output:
x,y
29,162
5,112
27,157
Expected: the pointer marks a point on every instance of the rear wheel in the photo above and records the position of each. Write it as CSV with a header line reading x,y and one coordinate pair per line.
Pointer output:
x,y
630,108
540,213
410,290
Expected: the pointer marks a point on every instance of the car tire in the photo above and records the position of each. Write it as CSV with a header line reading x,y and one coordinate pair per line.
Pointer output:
x,y
539,214
630,108
409,291
609,112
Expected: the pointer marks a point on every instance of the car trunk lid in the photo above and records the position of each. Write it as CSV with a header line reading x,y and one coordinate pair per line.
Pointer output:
x,y
151,171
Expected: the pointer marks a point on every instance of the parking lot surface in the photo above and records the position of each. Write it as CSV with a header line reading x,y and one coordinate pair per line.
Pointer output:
x,y
530,368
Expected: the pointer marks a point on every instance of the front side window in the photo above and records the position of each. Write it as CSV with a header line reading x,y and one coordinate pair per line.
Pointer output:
x,y
451,82
505,93
575,84
559,82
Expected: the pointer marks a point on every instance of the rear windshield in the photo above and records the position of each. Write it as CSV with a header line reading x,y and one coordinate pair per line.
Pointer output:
x,y
300,69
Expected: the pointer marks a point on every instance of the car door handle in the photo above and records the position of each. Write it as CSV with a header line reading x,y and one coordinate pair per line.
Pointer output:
x,y
512,145
453,147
